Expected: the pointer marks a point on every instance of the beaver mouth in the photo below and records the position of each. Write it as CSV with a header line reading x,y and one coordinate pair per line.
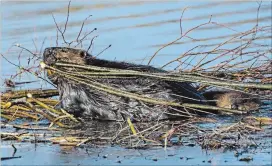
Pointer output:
x,y
49,56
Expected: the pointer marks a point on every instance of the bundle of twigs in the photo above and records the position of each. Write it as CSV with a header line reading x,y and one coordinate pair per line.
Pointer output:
x,y
23,104
86,75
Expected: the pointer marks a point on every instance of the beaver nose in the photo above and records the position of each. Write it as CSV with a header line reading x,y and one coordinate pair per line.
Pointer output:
x,y
49,56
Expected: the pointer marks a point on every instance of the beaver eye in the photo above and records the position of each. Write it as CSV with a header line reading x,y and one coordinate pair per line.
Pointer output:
x,y
83,54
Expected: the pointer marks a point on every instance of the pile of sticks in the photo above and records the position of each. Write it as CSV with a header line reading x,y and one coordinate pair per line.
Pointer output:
x,y
35,105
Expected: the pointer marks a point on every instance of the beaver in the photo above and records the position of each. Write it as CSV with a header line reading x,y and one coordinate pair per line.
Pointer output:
x,y
233,100
84,101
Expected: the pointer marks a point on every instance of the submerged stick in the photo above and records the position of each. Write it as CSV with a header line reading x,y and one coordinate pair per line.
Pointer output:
x,y
9,158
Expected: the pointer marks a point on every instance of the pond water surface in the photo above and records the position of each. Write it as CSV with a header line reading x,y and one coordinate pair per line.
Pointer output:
x,y
135,29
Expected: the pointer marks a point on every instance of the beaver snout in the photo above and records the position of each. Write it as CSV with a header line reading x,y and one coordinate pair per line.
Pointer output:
x,y
49,56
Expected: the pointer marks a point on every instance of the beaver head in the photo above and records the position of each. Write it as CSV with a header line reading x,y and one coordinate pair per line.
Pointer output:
x,y
53,55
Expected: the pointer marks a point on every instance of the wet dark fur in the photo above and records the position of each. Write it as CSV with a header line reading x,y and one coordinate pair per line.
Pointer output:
x,y
89,103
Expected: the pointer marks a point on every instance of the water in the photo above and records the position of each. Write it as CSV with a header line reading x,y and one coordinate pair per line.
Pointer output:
x,y
135,30
44,154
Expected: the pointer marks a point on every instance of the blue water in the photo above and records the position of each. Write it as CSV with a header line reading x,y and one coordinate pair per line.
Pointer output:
x,y
135,30
46,154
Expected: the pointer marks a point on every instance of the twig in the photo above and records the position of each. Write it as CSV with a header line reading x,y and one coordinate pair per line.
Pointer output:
x,y
82,27
168,44
103,50
91,43
67,18
180,20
